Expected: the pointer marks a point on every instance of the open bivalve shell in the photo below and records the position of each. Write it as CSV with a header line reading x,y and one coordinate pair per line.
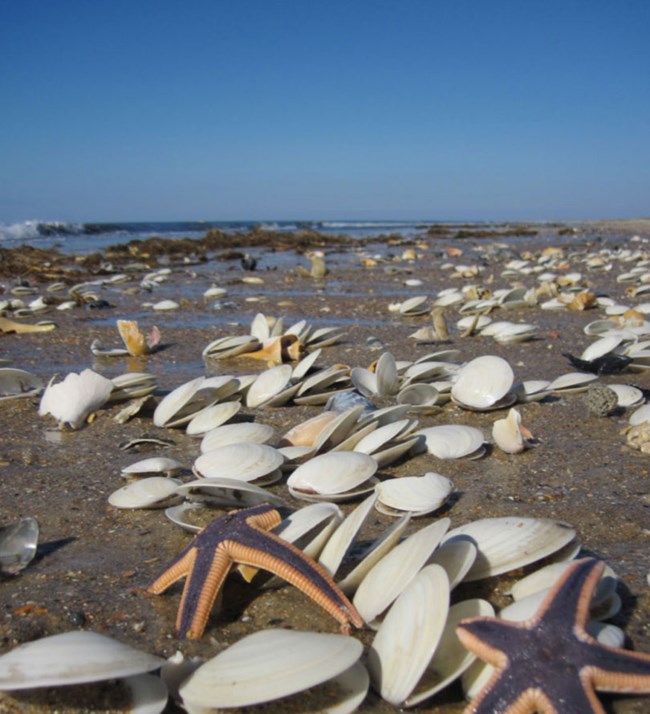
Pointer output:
x,y
152,492
227,492
71,658
453,441
245,461
18,383
483,383
392,574
183,403
504,544
416,495
249,431
310,528
409,635
152,465
269,665
335,475
272,387
212,417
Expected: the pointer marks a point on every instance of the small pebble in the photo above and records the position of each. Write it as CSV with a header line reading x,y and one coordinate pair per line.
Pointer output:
x,y
601,400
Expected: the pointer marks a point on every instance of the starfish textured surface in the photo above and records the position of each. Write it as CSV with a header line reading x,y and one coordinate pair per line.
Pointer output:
x,y
549,664
243,537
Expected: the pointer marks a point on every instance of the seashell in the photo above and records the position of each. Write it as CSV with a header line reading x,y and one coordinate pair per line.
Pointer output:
x,y
332,474
306,433
531,390
18,383
338,429
384,415
249,431
212,417
392,574
152,492
268,665
456,557
504,544
18,543
373,554
417,495
414,306
153,465
509,434
222,491
311,527
450,658
419,397
544,578
225,347
339,542
386,373
303,367
74,399
132,385
324,336
409,635
364,381
135,341
601,347
71,658
178,404
397,450
572,382
453,441
380,436
627,395
514,332
245,461
640,415
269,384
483,382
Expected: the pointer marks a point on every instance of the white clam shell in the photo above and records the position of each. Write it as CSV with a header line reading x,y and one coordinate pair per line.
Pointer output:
x,y
153,465
456,557
227,492
337,546
450,658
452,441
183,403
386,372
409,635
377,550
212,417
601,347
332,473
18,383
572,382
483,382
627,395
268,665
269,384
245,460
152,492
392,574
379,437
504,544
231,346
311,527
227,434
546,577
640,415
416,494
71,658
414,306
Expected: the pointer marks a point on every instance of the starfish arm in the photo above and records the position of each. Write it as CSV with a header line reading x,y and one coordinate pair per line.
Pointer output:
x,y
180,567
611,669
571,594
201,588
291,564
509,697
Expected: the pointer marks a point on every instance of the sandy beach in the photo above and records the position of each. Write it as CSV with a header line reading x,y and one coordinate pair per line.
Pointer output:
x,y
94,561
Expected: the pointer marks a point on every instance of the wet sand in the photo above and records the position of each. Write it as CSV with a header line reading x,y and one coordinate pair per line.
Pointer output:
x,y
94,561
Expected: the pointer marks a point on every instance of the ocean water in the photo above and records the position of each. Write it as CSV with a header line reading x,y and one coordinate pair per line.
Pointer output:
x,y
82,238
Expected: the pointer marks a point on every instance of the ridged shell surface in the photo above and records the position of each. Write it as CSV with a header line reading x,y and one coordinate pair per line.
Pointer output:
x,y
71,658
332,473
245,460
482,382
268,665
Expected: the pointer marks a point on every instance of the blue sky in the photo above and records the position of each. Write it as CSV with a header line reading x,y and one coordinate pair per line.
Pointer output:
x,y
269,109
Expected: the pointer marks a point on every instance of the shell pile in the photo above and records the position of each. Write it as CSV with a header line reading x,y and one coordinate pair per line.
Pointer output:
x,y
359,458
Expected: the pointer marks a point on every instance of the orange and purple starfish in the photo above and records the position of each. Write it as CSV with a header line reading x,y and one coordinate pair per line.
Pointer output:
x,y
549,664
243,537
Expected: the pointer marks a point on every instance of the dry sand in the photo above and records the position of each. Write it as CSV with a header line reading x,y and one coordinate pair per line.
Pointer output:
x,y
94,560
